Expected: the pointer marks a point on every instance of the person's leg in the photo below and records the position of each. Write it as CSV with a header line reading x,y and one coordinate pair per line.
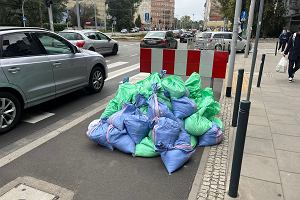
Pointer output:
x,y
283,46
280,44
291,68
297,66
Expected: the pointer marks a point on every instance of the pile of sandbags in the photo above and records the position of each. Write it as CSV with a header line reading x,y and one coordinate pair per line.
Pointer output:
x,y
160,116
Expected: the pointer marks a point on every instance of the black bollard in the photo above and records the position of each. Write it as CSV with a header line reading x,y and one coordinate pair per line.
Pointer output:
x,y
261,69
237,99
239,148
276,48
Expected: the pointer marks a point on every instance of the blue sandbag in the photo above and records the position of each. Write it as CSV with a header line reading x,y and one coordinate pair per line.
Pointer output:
x,y
97,132
137,127
175,158
117,119
165,133
212,137
121,140
183,107
140,101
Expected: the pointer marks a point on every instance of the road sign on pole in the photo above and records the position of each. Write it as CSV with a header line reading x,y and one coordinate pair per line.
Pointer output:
x,y
147,17
114,18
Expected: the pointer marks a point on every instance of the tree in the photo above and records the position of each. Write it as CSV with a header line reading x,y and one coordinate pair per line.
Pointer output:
x,y
186,22
138,22
86,13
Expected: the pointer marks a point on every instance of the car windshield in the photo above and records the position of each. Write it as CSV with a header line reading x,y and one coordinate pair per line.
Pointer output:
x,y
205,35
155,34
71,36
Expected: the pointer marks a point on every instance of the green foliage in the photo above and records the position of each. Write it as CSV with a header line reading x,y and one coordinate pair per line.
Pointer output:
x,y
86,13
138,21
57,27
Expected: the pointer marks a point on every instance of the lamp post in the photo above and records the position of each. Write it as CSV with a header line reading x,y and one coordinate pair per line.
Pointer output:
x,y
95,12
23,15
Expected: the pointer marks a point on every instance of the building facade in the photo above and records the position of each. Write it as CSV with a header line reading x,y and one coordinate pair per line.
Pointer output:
x,y
144,10
162,14
293,14
213,18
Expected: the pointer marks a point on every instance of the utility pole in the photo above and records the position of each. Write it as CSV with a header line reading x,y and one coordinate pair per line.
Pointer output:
x,y
260,15
23,14
249,27
78,14
238,7
48,4
95,11
193,21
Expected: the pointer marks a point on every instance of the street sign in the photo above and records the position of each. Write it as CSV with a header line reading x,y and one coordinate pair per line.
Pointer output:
x,y
114,22
88,22
244,16
24,18
114,18
147,17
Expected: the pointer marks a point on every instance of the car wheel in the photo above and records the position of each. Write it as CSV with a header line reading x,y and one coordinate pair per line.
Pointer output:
x,y
91,49
10,111
115,50
96,80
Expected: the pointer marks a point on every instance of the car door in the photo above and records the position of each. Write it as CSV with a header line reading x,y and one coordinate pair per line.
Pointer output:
x,y
108,46
93,39
69,67
27,67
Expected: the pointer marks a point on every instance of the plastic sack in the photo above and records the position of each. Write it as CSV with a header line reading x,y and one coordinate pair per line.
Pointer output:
x,y
282,65
212,137
97,132
137,127
175,158
117,119
174,86
165,100
183,107
120,140
110,109
209,106
193,84
140,101
146,148
165,133
197,124
217,121
145,86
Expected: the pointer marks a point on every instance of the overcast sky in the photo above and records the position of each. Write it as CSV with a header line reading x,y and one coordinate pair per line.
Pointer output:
x,y
189,7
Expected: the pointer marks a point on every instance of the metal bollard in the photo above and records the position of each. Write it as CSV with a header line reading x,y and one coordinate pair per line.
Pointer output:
x,y
239,148
261,69
237,99
276,48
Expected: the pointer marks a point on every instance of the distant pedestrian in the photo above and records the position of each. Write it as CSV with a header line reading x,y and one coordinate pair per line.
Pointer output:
x,y
293,49
283,39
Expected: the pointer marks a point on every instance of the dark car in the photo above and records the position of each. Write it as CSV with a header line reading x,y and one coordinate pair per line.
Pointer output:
x,y
185,36
159,39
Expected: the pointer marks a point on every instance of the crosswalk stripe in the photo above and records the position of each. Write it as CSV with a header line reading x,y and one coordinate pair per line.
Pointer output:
x,y
122,71
116,64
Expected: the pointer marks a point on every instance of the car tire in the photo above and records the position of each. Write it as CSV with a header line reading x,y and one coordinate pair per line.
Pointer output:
x,y
115,50
96,80
12,104
92,49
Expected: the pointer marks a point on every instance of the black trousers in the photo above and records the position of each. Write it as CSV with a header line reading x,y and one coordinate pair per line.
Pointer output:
x,y
293,69
282,46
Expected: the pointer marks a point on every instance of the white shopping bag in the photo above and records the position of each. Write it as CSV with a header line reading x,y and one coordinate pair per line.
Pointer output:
x,y
282,65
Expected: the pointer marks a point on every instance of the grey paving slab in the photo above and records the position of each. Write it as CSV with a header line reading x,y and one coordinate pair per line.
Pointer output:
x,y
285,142
259,131
288,161
283,119
285,129
258,146
258,112
279,111
253,189
260,167
258,120
290,185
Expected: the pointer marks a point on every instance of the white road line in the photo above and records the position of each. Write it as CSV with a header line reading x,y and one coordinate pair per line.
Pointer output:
x,y
37,117
116,64
107,61
124,45
122,71
134,55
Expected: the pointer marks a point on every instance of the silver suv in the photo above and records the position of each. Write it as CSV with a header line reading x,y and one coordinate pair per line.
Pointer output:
x,y
38,65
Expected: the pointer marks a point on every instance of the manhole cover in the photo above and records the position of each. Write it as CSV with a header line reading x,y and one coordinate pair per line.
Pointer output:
x,y
24,192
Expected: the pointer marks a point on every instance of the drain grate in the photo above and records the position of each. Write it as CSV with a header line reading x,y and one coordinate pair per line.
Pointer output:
x,y
24,192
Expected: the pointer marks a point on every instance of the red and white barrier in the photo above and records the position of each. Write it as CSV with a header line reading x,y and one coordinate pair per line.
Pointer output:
x,y
208,63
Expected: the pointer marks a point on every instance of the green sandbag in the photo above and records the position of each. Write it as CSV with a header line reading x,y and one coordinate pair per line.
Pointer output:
x,y
212,110
194,141
110,109
218,121
207,92
144,109
146,148
193,84
197,124
175,86
145,86
165,100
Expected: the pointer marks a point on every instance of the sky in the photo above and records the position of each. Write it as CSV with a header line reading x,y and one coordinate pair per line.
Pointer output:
x,y
190,7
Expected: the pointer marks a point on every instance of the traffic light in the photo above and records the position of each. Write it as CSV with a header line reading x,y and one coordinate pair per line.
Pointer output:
x,y
48,3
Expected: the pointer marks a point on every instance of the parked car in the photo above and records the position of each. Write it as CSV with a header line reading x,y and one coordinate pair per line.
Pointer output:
x,y
159,39
38,65
124,31
135,30
91,40
177,33
185,36
219,41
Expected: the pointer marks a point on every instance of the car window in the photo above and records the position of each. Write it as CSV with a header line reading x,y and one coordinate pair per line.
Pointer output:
x,y
206,35
228,36
54,44
219,36
91,36
155,34
71,36
19,45
101,36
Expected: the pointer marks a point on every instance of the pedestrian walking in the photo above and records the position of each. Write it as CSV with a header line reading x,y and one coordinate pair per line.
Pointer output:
x,y
293,50
283,39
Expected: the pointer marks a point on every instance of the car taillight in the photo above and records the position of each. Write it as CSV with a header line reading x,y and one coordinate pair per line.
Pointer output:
x,y
80,43
164,41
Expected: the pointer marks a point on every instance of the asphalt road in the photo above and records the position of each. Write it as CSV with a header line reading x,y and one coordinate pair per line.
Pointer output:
x,y
70,160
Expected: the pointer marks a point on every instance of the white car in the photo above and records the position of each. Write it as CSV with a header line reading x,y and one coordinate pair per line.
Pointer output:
x,y
124,31
91,40
219,41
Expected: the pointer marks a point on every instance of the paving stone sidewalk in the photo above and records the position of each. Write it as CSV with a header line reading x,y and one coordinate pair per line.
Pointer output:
x,y
271,162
